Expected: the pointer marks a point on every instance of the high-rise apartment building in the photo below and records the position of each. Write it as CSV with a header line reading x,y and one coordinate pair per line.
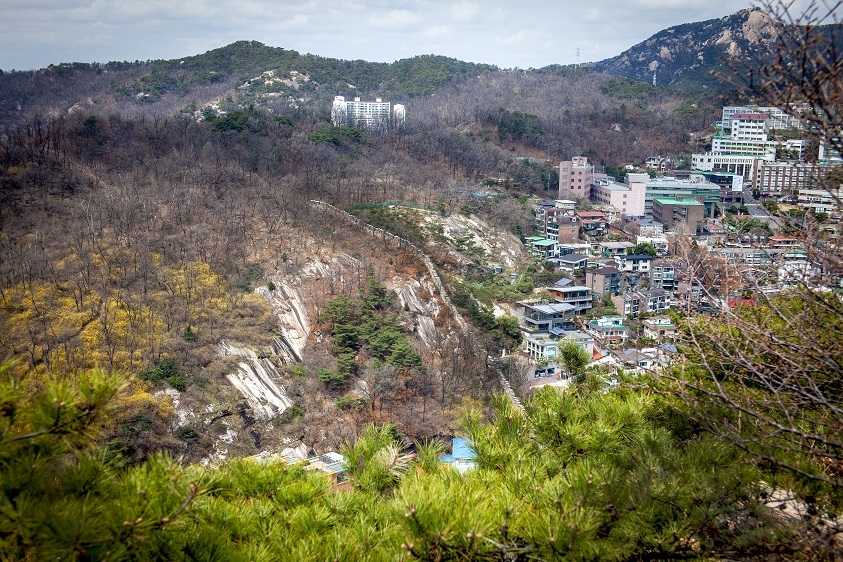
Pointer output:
x,y
375,115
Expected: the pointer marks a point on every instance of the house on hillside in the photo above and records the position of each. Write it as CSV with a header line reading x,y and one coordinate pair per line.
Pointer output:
x,y
633,304
634,262
604,280
578,296
462,457
608,330
572,262
544,316
659,328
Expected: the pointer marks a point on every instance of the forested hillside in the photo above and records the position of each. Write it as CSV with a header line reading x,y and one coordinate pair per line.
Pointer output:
x,y
197,266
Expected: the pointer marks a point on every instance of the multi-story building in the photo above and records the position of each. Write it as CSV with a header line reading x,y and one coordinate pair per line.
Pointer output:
x,y
787,178
375,115
741,164
663,276
608,330
777,117
555,224
646,227
575,178
612,249
660,243
744,139
572,262
822,200
578,296
688,287
639,263
604,280
632,304
627,198
659,327
593,223
544,316
541,247
731,186
696,187
683,216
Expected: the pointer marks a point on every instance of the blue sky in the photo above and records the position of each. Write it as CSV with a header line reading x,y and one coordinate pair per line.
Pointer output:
x,y
524,34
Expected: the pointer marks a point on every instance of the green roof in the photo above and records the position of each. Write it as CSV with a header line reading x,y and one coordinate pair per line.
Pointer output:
x,y
671,201
544,242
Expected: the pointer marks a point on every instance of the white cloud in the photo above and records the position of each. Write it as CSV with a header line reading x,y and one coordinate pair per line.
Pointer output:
x,y
395,19
437,31
464,11
519,38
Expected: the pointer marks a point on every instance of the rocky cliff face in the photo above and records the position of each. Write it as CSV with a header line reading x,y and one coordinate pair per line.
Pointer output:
x,y
688,53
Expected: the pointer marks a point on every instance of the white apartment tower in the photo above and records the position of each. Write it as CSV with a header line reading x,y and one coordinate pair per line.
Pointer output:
x,y
375,115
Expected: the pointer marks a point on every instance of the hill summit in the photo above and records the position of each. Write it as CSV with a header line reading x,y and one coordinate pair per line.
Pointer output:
x,y
686,54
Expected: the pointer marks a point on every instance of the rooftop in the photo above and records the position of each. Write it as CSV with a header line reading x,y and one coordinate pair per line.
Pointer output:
x,y
572,258
751,116
552,308
671,201
569,289
605,270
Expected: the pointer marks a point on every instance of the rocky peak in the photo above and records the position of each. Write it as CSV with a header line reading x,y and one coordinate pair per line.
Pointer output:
x,y
688,53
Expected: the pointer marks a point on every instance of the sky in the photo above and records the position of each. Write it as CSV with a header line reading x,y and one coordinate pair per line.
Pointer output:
x,y
506,33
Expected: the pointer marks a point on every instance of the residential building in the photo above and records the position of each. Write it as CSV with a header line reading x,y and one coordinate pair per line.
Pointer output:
x,y
612,249
683,216
604,280
688,287
575,178
646,226
633,360
663,276
632,304
659,163
659,327
578,296
660,243
627,198
608,330
572,262
634,262
585,340
541,347
542,248
593,223
462,457
555,224
368,115
544,316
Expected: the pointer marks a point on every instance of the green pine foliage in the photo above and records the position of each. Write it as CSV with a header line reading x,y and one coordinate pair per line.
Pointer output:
x,y
366,323
581,475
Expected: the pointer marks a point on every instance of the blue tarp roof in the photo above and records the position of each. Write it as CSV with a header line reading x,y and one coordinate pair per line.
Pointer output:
x,y
461,448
